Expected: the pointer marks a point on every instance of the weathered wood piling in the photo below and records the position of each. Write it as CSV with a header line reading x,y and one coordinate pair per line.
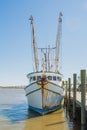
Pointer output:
x,y
69,87
83,84
73,95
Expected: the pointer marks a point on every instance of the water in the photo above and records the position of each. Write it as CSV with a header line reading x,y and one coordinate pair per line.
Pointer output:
x,y
14,113
14,109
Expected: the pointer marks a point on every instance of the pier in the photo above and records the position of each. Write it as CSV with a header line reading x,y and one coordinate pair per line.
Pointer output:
x,y
76,95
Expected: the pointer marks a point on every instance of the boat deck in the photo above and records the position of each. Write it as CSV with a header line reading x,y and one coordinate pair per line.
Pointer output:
x,y
53,121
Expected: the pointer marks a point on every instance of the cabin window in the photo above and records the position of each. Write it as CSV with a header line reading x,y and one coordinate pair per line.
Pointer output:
x,y
54,77
38,77
59,78
34,78
31,79
49,77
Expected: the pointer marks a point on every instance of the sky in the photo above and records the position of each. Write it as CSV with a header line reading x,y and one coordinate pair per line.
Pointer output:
x,y
15,36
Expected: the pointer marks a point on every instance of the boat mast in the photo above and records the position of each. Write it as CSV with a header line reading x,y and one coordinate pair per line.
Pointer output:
x,y
34,44
58,41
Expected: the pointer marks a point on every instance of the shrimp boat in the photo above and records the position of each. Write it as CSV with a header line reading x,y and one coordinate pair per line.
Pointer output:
x,y
45,92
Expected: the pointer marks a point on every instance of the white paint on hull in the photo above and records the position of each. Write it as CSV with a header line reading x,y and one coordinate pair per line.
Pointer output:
x,y
52,95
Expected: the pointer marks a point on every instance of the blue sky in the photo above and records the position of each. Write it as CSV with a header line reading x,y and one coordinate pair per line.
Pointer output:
x,y
15,36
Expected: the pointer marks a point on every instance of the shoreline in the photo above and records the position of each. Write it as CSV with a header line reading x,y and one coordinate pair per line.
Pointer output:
x,y
18,87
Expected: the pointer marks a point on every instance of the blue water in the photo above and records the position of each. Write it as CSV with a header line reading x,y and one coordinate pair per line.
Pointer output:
x,y
14,109
15,112
13,105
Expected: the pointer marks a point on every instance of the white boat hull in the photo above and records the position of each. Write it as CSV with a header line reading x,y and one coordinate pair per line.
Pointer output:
x,y
44,97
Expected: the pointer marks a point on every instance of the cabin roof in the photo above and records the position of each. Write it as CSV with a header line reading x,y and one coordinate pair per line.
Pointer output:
x,y
49,72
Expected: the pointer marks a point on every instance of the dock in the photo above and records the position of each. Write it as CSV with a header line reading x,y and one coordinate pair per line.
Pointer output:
x,y
76,95
53,121
78,99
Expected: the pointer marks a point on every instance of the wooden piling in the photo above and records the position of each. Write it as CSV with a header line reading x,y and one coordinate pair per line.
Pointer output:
x,y
83,84
63,83
66,100
66,97
69,99
74,95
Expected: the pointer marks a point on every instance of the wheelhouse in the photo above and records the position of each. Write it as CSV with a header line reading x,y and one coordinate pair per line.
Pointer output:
x,y
33,78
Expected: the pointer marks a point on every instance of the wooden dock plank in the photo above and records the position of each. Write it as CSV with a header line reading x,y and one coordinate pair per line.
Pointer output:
x,y
53,121
78,99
